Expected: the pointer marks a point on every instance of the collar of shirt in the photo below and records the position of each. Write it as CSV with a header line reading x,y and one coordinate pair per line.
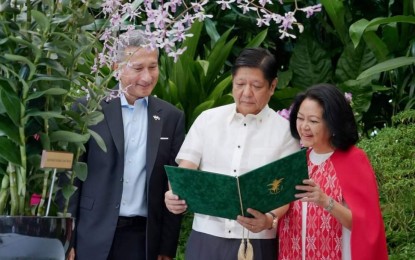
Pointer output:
x,y
124,102
235,116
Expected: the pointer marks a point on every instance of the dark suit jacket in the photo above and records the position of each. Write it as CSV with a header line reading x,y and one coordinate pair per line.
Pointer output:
x,y
98,198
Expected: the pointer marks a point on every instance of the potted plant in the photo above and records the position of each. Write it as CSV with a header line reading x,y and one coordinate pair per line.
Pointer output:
x,y
45,65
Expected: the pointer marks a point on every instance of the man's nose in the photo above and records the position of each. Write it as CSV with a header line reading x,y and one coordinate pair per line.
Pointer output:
x,y
145,75
247,91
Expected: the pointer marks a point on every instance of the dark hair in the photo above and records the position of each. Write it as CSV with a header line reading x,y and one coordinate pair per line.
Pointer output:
x,y
259,58
337,114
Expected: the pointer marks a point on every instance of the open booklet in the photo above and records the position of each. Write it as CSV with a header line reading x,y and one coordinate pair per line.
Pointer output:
x,y
264,188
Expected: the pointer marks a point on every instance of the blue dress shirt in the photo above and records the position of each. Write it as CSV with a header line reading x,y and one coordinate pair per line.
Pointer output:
x,y
134,195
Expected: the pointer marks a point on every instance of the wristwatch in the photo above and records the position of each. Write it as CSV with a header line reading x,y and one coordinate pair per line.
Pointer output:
x,y
274,220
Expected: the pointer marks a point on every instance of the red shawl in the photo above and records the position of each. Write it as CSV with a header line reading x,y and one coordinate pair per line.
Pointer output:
x,y
359,187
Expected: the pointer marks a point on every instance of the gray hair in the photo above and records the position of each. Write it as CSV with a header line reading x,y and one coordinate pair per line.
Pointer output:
x,y
133,38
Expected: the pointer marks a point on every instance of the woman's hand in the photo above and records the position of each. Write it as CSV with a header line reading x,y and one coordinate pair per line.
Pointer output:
x,y
173,203
256,224
312,193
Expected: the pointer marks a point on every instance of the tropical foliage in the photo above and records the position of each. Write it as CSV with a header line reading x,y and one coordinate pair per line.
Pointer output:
x,y
392,154
370,55
45,60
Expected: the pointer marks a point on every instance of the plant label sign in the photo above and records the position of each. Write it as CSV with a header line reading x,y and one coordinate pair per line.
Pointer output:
x,y
58,160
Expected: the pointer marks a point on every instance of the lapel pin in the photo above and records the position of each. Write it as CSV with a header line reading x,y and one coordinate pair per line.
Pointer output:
x,y
156,117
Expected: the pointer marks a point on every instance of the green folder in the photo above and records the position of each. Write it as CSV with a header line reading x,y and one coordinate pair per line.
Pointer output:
x,y
265,188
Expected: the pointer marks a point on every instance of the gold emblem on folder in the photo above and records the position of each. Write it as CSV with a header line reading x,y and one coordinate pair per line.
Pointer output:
x,y
275,185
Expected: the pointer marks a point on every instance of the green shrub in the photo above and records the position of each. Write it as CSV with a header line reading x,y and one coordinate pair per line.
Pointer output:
x,y
392,153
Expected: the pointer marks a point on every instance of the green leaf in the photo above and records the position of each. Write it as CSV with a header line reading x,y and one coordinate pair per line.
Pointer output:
x,y
257,41
310,63
354,61
66,136
204,65
378,47
12,104
7,128
66,39
45,140
60,18
9,82
36,50
49,78
94,118
173,92
282,98
81,170
35,161
44,114
10,151
32,67
192,42
357,29
2,108
68,191
96,25
51,91
8,86
24,72
211,30
217,59
362,91
180,76
218,90
336,11
284,79
387,65
41,20
224,100
98,139
200,108
390,36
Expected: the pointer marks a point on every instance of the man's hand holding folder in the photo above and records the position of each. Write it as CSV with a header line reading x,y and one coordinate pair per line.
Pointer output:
x,y
215,194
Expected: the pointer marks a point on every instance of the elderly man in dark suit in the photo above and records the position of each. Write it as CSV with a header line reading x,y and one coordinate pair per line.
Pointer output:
x,y
120,209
